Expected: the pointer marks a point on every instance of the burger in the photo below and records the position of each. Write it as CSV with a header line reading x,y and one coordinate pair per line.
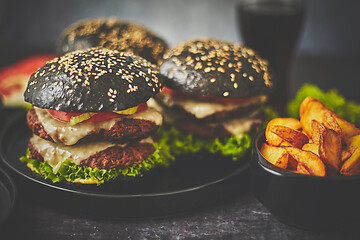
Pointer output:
x,y
213,96
112,33
89,117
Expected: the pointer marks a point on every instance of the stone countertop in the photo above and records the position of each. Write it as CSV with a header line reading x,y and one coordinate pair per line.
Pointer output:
x,y
241,217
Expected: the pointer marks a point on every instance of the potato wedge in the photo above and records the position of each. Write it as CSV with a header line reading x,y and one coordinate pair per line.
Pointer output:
x,y
330,149
272,138
292,164
345,155
287,122
275,155
294,137
302,169
352,165
311,147
312,109
349,130
285,144
311,162
317,131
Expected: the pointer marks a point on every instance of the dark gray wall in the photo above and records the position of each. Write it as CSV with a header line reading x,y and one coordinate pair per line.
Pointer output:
x,y
33,26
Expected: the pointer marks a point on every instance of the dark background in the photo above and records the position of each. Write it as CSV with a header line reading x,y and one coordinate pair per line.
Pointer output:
x,y
327,53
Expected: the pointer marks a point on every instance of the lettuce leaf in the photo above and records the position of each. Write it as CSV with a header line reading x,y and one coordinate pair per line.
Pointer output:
x,y
69,171
182,143
332,99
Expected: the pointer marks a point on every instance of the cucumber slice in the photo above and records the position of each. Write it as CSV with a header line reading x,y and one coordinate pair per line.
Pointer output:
x,y
80,118
128,111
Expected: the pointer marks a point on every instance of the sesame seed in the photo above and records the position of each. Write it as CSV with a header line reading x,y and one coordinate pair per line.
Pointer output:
x,y
198,65
221,69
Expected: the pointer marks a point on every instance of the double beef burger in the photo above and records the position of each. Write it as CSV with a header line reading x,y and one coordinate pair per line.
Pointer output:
x,y
112,33
214,89
90,120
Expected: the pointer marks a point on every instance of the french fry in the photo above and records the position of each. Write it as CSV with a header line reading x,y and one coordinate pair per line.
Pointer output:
x,y
310,161
287,122
311,147
317,131
275,155
285,144
352,165
349,130
272,138
292,163
302,169
294,137
345,155
330,149
312,109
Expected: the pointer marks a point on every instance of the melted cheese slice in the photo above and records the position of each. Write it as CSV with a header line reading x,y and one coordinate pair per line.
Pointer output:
x,y
202,109
56,153
69,135
239,126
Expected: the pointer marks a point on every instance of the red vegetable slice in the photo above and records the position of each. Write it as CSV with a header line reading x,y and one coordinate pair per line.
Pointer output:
x,y
98,117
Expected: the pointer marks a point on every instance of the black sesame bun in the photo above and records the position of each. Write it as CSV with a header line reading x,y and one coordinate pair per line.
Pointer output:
x,y
96,80
216,68
113,34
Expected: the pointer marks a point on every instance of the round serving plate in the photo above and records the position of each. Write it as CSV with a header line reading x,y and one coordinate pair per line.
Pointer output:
x,y
191,182
7,196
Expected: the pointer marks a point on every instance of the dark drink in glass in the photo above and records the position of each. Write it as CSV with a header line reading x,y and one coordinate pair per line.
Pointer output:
x,y
271,28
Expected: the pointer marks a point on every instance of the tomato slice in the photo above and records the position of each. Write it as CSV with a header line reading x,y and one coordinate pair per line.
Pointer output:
x,y
205,98
98,117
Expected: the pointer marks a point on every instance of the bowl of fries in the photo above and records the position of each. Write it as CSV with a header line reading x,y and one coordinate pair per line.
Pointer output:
x,y
306,171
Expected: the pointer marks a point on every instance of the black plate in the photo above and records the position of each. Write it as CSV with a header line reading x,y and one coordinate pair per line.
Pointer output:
x,y
191,182
7,195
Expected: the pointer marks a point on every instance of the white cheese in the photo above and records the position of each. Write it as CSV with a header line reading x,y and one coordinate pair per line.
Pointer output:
x,y
239,126
63,132
56,153
202,109
149,114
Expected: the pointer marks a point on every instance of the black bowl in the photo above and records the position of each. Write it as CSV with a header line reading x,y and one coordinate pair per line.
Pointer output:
x,y
303,201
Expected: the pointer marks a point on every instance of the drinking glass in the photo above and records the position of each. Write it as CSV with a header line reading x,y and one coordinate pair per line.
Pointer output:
x,y
271,28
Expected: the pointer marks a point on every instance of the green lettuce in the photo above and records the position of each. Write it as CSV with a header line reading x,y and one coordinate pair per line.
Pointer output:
x,y
182,143
332,99
69,171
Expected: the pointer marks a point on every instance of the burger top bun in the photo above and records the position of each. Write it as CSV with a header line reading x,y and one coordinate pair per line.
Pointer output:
x,y
114,34
217,69
94,80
